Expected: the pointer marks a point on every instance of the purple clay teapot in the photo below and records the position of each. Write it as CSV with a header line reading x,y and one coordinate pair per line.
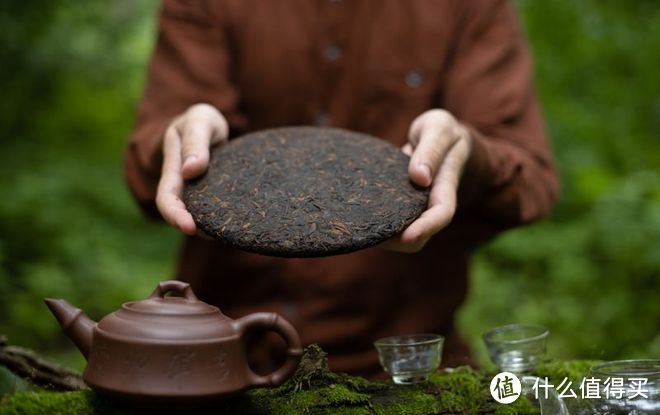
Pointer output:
x,y
171,349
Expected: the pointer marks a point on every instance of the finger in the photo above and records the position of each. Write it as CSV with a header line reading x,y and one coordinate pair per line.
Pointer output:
x,y
454,163
428,224
174,211
435,140
199,132
442,204
442,200
170,186
195,142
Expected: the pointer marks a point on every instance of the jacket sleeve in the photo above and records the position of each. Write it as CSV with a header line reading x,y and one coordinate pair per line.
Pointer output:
x,y
190,64
510,177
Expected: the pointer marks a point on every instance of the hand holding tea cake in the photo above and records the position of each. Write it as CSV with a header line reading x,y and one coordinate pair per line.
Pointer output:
x,y
185,155
439,147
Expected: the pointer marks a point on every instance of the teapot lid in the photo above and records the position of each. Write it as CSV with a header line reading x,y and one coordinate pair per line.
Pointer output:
x,y
159,303
162,317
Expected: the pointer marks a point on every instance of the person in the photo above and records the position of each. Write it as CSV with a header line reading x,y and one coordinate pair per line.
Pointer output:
x,y
449,81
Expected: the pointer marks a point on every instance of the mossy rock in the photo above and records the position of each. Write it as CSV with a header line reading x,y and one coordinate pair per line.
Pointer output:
x,y
316,390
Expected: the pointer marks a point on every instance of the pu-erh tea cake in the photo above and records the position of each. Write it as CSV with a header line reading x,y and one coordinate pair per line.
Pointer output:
x,y
305,192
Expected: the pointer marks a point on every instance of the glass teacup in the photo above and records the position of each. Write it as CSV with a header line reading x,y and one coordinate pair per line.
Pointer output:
x,y
410,358
627,387
517,348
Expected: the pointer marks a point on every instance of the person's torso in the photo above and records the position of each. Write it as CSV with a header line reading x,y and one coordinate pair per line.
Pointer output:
x,y
370,66
367,65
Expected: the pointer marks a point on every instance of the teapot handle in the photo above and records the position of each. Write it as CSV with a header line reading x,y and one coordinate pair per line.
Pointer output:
x,y
274,322
179,287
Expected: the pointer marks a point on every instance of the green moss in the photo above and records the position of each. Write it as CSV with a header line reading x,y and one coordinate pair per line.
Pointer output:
x,y
521,406
574,370
460,389
329,396
407,401
58,403
354,382
314,389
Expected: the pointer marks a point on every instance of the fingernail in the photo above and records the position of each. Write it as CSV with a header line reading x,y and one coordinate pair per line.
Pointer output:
x,y
426,170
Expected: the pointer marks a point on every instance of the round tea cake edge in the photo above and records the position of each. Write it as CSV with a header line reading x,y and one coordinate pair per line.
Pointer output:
x,y
368,174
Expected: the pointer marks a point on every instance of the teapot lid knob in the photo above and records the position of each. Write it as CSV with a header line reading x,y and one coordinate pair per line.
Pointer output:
x,y
178,287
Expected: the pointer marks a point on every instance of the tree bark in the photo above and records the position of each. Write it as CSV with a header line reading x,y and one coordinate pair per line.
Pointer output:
x,y
28,365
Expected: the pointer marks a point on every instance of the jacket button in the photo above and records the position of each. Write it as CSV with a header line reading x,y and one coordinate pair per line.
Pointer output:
x,y
414,78
332,53
322,119
290,310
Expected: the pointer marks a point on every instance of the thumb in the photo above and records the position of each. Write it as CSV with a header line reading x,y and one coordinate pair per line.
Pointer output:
x,y
432,141
199,133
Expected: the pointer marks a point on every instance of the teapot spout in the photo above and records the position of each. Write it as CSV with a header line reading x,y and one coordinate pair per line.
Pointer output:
x,y
76,325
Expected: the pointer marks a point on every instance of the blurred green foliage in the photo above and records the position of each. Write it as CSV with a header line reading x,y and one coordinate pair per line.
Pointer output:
x,y
71,74
591,273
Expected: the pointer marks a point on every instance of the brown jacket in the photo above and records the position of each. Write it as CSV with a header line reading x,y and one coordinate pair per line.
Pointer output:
x,y
370,66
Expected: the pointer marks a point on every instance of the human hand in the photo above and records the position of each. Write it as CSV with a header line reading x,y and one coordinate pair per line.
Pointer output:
x,y
186,155
439,147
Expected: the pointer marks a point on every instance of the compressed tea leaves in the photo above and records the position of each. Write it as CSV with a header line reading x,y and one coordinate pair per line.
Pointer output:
x,y
305,192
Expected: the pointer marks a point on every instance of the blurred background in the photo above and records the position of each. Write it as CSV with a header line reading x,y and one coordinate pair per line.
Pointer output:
x,y
70,76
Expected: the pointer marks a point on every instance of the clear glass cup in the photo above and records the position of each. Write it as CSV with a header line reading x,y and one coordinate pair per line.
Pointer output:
x,y
517,348
410,358
629,372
